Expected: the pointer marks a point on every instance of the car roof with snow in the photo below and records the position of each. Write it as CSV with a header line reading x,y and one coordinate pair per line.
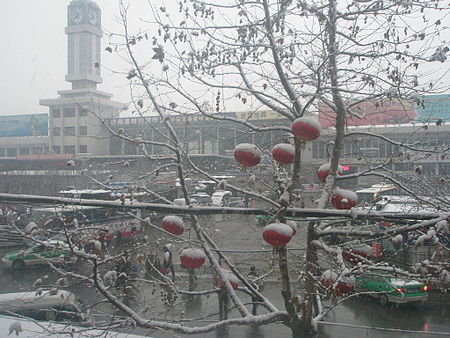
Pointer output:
x,y
36,299
20,327
221,193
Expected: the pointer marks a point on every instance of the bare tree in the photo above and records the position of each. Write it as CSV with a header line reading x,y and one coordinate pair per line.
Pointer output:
x,y
291,58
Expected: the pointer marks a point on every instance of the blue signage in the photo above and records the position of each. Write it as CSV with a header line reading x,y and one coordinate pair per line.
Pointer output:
x,y
433,108
24,125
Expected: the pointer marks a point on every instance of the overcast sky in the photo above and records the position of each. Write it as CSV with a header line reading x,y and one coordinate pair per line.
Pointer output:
x,y
34,48
34,51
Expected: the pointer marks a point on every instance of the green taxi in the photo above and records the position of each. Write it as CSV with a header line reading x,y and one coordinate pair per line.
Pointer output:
x,y
39,254
388,289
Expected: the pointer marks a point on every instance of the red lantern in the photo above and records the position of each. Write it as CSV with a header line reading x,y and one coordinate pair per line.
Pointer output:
x,y
341,285
343,199
278,234
164,271
247,154
324,171
234,281
306,128
192,258
284,153
173,224
354,254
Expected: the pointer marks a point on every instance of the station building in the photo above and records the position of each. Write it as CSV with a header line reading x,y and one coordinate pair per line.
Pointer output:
x,y
73,129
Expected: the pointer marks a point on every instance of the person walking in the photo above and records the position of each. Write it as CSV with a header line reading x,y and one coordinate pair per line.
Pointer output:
x,y
168,261
253,277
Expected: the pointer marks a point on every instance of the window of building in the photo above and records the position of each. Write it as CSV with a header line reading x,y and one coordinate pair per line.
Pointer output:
x,y
69,112
322,150
69,131
83,149
382,147
36,150
82,130
2,152
24,151
70,149
347,148
56,131
83,112
71,53
57,149
11,152
315,149
56,113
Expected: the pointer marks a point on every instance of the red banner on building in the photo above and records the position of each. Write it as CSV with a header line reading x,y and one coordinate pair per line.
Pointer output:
x,y
371,113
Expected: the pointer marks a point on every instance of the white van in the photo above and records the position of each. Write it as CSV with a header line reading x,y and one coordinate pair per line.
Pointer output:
x,y
221,198
55,305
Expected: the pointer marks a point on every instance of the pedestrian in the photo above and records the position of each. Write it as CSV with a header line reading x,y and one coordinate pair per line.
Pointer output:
x,y
246,201
168,261
222,293
253,276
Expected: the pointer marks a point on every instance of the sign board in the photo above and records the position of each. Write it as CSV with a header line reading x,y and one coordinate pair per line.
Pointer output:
x,y
433,108
388,112
370,152
24,125
368,113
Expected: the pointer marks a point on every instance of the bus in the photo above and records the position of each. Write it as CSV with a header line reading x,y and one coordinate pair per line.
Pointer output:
x,y
99,194
110,222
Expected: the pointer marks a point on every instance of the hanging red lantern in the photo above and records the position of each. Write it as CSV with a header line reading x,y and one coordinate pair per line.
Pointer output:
x,y
234,281
283,153
306,128
278,234
247,154
164,271
173,224
339,285
324,171
192,258
354,254
343,199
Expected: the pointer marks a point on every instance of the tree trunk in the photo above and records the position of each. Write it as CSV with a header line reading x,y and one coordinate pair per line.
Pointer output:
x,y
310,282
289,301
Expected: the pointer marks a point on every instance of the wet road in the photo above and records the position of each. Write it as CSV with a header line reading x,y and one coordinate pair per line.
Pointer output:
x,y
434,316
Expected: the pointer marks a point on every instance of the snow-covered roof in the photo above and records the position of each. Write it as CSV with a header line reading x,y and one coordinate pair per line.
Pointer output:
x,y
28,328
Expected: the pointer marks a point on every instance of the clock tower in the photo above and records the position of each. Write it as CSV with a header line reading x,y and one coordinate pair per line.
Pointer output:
x,y
75,127
84,48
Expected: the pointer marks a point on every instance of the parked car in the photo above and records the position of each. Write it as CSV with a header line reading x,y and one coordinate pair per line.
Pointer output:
x,y
221,198
37,254
388,289
55,305
202,198
24,328
181,202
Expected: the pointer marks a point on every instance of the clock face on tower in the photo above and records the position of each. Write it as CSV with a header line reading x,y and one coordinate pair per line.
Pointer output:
x,y
76,15
94,17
